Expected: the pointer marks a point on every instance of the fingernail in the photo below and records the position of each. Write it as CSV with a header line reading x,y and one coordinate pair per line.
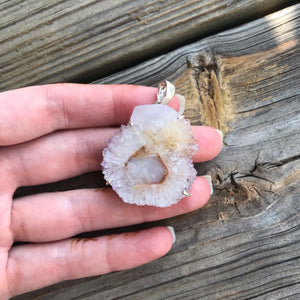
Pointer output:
x,y
221,134
181,100
173,233
208,179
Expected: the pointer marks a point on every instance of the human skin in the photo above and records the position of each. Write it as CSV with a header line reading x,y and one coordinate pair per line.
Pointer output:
x,y
53,132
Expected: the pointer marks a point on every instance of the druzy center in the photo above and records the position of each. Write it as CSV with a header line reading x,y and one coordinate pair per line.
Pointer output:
x,y
146,170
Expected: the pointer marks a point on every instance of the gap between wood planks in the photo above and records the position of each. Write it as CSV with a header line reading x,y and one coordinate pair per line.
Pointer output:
x,y
54,43
87,78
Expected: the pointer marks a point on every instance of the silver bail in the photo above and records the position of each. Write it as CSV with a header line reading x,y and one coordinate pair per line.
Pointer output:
x,y
165,93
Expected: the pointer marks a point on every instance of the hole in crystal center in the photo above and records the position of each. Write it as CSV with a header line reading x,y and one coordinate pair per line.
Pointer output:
x,y
148,169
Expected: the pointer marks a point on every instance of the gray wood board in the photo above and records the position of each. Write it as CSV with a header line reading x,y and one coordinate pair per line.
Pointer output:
x,y
245,243
58,41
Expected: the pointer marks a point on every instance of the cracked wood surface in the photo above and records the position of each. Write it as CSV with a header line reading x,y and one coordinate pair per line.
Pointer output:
x,y
58,40
245,243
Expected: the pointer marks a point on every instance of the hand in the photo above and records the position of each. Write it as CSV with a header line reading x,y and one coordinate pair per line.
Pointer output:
x,y
49,133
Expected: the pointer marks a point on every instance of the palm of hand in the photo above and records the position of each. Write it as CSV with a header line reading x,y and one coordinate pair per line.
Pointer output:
x,y
50,133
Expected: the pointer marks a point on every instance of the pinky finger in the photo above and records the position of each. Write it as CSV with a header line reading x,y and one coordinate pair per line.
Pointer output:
x,y
34,266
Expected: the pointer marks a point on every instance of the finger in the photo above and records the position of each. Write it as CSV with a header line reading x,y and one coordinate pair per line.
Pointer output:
x,y
209,142
30,112
58,156
54,216
31,267
69,153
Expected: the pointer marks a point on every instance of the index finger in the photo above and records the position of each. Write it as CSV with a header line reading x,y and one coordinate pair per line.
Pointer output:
x,y
31,112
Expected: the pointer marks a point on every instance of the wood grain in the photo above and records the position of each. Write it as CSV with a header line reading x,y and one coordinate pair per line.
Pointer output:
x,y
245,243
59,41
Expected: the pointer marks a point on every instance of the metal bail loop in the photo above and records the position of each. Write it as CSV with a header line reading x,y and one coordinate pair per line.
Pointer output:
x,y
165,93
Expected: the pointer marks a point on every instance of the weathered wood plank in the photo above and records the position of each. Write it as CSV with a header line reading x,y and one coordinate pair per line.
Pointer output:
x,y
245,243
56,41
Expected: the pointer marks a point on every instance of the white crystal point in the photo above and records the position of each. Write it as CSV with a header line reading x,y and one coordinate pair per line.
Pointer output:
x,y
149,162
153,115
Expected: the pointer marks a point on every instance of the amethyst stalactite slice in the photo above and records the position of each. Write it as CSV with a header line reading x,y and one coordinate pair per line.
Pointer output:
x,y
149,161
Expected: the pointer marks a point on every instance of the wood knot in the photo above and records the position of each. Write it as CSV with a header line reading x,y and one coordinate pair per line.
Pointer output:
x,y
247,198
